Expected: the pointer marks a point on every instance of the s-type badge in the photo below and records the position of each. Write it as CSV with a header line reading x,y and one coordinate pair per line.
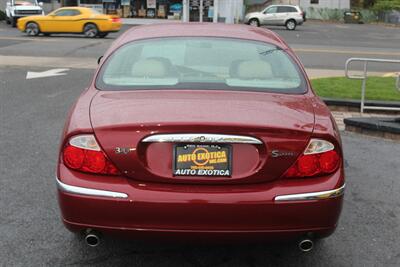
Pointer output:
x,y
280,153
123,150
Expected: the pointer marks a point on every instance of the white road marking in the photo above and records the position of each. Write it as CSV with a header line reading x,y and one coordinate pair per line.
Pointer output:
x,y
49,62
342,26
44,74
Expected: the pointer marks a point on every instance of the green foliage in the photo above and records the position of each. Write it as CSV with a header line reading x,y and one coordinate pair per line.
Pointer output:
x,y
378,88
325,13
381,5
368,15
2,15
368,3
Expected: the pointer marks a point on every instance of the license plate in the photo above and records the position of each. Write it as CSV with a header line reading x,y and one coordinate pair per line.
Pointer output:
x,y
202,160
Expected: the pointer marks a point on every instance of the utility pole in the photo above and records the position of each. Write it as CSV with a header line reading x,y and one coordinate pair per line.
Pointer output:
x,y
201,11
185,10
215,17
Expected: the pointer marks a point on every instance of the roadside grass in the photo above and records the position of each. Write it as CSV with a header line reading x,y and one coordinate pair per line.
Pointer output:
x,y
378,88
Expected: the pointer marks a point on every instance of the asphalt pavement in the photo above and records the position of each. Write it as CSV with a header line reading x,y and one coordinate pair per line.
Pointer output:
x,y
31,232
32,114
320,46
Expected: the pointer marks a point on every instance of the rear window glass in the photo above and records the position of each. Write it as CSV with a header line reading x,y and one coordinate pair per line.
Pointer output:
x,y
200,63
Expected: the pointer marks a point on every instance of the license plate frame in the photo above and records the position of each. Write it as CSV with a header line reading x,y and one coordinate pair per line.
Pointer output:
x,y
202,160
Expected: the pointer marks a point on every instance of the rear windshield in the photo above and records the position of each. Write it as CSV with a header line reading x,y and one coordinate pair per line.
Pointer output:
x,y
201,63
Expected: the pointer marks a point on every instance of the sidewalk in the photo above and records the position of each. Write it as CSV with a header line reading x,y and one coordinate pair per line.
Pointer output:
x,y
145,21
341,115
321,73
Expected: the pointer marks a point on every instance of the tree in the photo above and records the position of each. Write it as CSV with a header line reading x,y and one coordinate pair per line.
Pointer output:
x,y
369,3
387,5
362,3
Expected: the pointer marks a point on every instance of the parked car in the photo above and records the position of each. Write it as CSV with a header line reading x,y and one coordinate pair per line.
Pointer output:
x,y
278,15
79,20
191,130
18,9
353,17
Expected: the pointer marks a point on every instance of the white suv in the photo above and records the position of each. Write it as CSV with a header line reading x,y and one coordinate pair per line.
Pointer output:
x,y
16,9
280,15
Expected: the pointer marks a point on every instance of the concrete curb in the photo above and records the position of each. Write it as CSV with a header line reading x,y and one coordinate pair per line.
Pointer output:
x,y
387,128
356,103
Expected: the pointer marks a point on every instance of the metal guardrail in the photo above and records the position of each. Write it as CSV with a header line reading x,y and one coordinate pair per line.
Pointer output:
x,y
365,76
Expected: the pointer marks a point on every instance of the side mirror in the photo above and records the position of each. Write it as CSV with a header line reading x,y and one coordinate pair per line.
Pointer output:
x,y
99,59
40,3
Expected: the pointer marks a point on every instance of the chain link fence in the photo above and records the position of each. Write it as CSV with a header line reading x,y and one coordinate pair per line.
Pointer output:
x,y
392,17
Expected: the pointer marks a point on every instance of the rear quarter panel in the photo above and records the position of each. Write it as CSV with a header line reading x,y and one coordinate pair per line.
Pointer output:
x,y
325,128
78,120
105,25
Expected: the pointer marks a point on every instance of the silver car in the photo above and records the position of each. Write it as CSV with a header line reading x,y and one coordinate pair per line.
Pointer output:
x,y
280,15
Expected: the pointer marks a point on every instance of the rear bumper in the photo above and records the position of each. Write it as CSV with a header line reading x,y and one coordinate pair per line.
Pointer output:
x,y
214,236
110,27
321,195
251,212
299,21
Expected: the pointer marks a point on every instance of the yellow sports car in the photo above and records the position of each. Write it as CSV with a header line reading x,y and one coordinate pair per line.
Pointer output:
x,y
71,20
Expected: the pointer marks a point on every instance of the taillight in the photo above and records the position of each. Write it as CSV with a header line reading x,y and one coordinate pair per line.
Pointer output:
x,y
115,20
319,158
82,153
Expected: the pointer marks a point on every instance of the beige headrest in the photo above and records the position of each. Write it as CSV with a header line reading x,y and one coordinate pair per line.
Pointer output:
x,y
254,69
149,68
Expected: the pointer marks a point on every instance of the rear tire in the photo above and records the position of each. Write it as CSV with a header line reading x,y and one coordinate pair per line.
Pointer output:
x,y
90,30
254,22
46,34
8,20
102,34
32,29
291,25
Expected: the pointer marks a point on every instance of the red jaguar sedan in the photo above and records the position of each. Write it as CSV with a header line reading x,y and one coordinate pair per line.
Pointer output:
x,y
201,130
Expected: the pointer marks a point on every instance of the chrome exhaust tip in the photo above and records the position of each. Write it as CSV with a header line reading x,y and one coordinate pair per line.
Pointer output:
x,y
306,245
92,239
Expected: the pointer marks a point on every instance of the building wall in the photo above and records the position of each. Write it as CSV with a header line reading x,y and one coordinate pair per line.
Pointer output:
x,y
3,5
228,11
340,4
285,2
305,4
49,7
231,10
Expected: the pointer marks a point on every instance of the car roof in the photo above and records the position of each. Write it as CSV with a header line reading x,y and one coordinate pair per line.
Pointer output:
x,y
75,8
191,29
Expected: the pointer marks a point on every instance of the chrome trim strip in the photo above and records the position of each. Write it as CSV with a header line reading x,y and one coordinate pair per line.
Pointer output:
x,y
201,138
88,191
312,196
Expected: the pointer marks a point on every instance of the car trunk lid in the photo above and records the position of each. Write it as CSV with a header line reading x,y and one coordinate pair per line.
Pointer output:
x,y
128,123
